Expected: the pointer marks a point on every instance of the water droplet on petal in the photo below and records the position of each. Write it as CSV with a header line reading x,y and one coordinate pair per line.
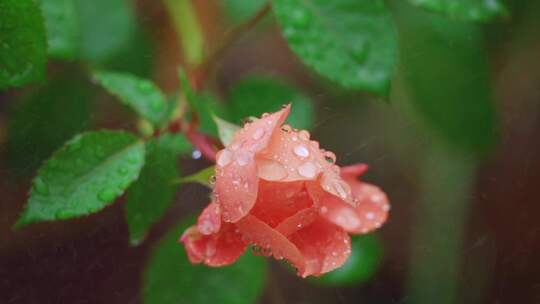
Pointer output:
x,y
301,151
307,170
304,135
258,134
242,158
370,215
205,227
271,170
341,188
286,128
330,157
224,158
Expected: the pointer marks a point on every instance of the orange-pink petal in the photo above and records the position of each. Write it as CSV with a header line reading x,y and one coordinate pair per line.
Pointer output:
x,y
209,222
236,172
219,249
324,247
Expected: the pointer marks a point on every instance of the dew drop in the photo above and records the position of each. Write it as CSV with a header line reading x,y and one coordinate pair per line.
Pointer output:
x,y
304,135
212,180
242,158
301,151
271,170
330,157
286,128
205,227
196,154
301,18
258,134
107,195
370,215
40,186
307,170
224,158
340,188
122,170
145,86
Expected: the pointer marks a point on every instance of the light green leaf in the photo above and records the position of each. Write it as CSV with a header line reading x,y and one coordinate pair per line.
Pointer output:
x,y
106,26
447,89
226,130
256,95
62,24
202,177
66,102
84,176
150,196
140,94
23,44
351,42
170,277
469,10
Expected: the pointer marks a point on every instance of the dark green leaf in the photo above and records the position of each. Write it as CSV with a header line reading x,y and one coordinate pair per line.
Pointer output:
x,y
84,176
106,27
364,261
351,42
444,78
62,24
226,130
470,10
136,57
23,45
150,196
45,119
171,278
202,177
141,95
256,95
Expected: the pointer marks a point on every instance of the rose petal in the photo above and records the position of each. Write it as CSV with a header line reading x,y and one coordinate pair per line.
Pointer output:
x,y
289,156
324,247
209,221
297,221
277,201
222,248
362,218
236,174
259,233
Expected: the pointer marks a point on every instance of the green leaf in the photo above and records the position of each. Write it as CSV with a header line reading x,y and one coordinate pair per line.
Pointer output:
x,y
62,24
171,278
106,26
46,118
447,89
150,196
23,44
364,261
202,177
204,105
468,10
141,95
351,42
226,130
256,95
84,176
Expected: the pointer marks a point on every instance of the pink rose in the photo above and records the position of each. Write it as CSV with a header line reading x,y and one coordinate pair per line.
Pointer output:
x,y
277,190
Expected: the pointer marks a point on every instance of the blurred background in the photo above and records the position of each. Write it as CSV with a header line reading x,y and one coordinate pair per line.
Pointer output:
x,y
452,140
